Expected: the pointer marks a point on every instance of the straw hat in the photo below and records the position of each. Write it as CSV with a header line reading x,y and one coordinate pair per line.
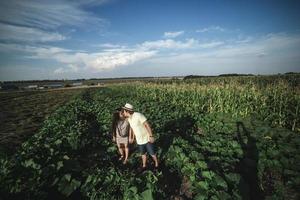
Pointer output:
x,y
128,107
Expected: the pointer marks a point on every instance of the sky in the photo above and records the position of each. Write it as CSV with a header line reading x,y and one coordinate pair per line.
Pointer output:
x,y
67,39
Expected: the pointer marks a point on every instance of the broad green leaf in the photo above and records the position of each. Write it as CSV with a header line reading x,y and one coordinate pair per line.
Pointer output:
x,y
147,195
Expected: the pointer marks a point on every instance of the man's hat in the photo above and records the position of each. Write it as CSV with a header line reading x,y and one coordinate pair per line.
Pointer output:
x,y
128,107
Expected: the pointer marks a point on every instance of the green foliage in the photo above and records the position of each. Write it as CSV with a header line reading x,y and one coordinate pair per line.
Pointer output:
x,y
67,185
217,140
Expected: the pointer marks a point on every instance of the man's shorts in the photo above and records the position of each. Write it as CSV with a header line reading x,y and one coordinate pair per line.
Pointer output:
x,y
148,147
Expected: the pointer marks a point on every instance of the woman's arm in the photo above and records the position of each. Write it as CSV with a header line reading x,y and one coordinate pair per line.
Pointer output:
x,y
131,135
113,130
114,135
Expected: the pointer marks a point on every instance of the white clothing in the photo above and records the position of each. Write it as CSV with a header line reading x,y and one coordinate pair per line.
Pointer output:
x,y
136,121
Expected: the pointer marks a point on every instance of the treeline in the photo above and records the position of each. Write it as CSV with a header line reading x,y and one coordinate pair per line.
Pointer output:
x,y
234,75
41,81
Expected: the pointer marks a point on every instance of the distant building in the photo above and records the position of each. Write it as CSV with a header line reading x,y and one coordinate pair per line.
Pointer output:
x,y
9,87
54,85
77,84
32,87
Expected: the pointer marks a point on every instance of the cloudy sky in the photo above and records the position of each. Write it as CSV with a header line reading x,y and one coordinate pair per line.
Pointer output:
x,y
65,39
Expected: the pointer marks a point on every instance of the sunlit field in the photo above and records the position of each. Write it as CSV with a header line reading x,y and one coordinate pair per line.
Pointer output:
x,y
216,138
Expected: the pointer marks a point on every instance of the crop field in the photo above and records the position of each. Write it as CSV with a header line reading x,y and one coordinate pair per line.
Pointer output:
x,y
22,114
216,138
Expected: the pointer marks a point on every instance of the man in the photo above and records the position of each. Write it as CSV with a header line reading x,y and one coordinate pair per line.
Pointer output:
x,y
142,132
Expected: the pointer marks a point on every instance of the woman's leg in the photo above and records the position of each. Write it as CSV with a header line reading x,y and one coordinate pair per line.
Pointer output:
x,y
144,160
120,151
126,153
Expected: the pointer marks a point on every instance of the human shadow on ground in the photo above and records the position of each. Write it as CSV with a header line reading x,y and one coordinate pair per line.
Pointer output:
x,y
185,128
247,167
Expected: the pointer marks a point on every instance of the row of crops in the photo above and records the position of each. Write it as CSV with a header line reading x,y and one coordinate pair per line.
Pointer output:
x,y
213,142
23,112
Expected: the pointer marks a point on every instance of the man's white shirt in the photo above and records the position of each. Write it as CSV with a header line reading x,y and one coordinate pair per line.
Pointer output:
x,y
136,121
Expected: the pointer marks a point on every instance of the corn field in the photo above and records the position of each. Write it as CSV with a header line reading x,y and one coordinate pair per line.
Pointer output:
x,y
216,138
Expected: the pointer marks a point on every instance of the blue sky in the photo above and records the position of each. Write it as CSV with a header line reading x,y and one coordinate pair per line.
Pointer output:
x,y
64,39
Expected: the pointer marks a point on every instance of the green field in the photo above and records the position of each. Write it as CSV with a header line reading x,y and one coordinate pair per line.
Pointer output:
x,y
22,114
216,138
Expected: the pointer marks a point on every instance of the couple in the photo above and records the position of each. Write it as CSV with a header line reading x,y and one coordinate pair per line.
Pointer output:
x,y
128,125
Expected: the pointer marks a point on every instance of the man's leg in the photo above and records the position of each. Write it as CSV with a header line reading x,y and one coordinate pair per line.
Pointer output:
x,y
150,149
142,149
154,157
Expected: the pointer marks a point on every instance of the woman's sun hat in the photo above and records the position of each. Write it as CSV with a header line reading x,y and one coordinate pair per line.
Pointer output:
x,y
128,107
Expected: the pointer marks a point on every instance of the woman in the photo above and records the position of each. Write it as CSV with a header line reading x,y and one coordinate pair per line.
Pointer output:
x,y
121,132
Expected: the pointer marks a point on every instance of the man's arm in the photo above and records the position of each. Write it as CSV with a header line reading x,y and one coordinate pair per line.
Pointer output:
x,y
147,125
149,130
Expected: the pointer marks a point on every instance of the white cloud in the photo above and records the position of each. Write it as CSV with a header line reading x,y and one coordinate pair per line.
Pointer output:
x,y
110,46
100,61
82,61
176,44
111,60
212,44
271,44
67,69
169,44
116,57
173,34
25,34
91,2
106,59
242,40
266,54
47,15
211,28
35,51
59,71
265,50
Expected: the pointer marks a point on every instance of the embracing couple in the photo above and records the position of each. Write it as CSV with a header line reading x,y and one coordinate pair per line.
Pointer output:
x,y
127,126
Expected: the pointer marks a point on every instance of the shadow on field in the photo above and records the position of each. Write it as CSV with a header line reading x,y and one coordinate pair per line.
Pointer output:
x,y
89,156
175,186
93,145
248,164
185,128
176,128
